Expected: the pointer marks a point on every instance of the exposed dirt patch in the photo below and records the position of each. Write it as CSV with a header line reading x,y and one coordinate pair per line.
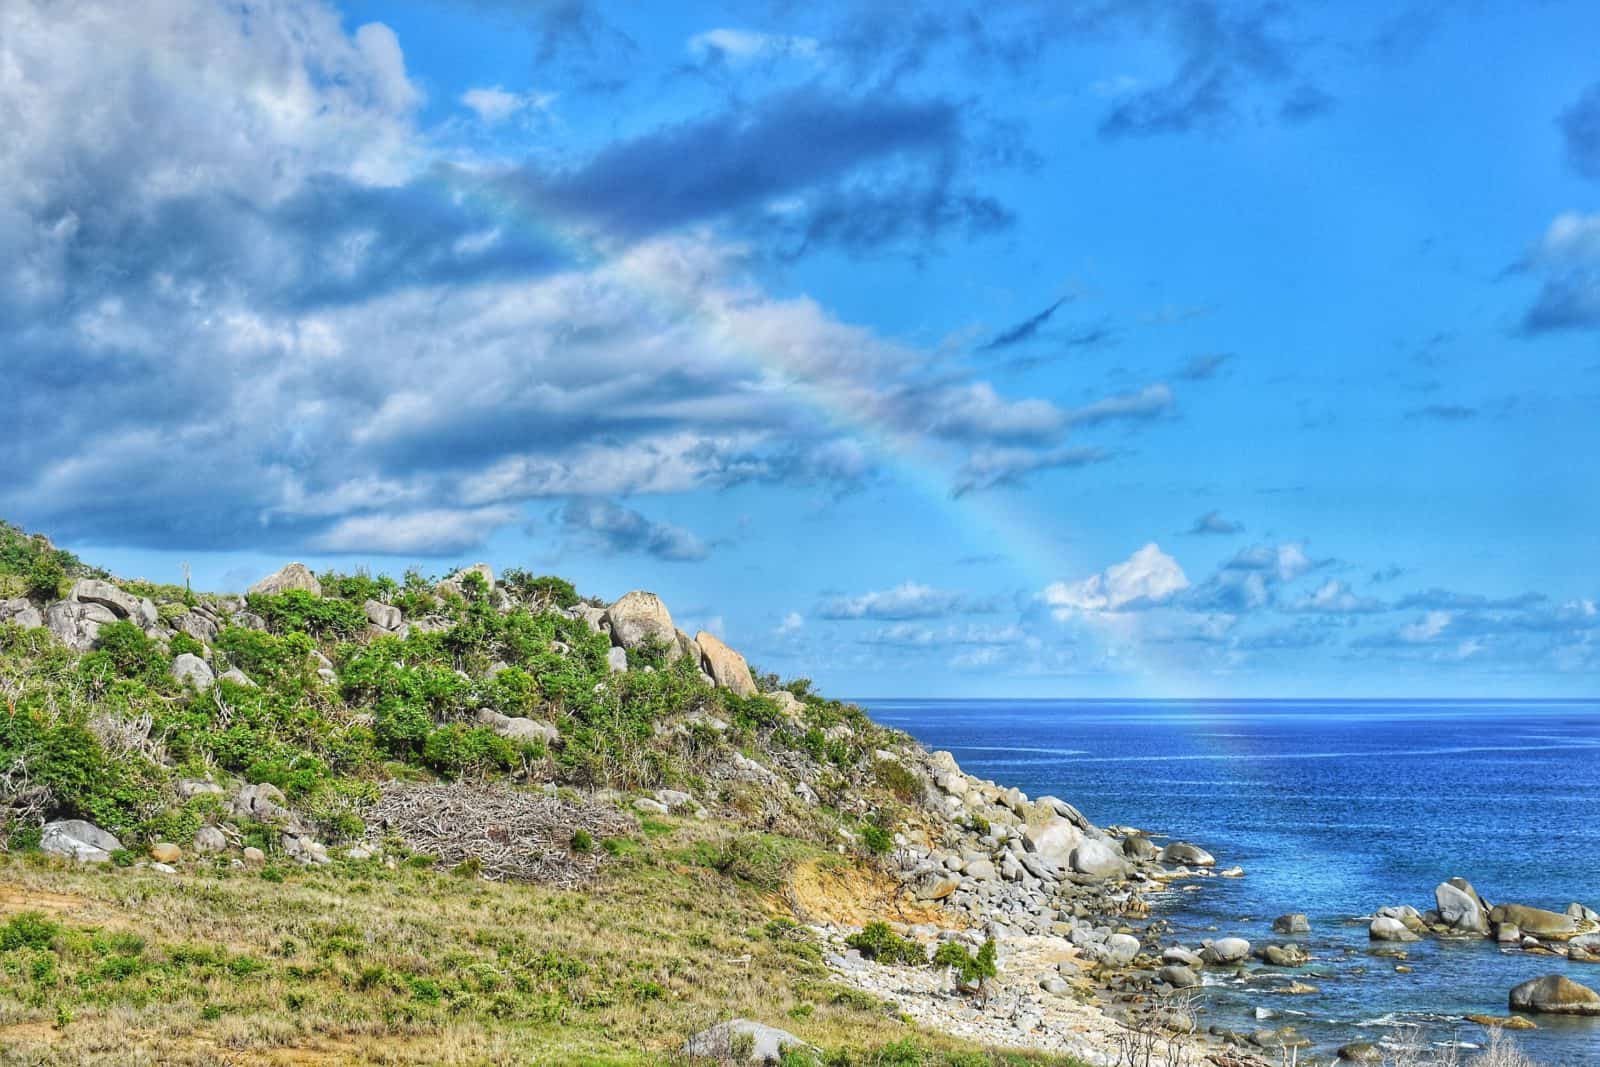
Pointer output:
x,y
854,895
15,898
37,1033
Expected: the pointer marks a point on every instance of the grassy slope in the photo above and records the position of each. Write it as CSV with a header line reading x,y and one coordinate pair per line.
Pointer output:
x,y
358,963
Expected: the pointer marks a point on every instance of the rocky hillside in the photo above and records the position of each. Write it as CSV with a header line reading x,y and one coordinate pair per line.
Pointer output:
x,y
502,726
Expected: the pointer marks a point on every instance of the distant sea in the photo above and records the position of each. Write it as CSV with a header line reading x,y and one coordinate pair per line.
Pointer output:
x,y
1334,809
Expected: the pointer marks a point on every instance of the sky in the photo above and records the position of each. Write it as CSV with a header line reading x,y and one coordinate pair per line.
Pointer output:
x,y
1108,348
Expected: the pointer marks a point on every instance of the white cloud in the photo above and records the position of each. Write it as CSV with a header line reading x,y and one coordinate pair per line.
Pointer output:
x,y
1335,598
493,104
1427,628
1572,240
433,532
792,623
1149,576
908,600
744,46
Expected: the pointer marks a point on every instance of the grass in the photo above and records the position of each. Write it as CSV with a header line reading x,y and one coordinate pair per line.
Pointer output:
x,y
356,963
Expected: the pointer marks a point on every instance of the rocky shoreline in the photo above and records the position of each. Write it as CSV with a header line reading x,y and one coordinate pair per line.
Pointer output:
x,y
1087,964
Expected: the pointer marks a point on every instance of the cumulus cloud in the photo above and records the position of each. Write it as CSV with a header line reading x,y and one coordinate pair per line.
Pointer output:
x,y
908,600
1146,578
612,528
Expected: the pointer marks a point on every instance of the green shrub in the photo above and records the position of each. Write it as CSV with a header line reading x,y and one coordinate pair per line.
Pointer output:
x,y
969,967
582,840
897,778
456,750
124,650
299,611
877,839
28,929
877,942
182,643
543,591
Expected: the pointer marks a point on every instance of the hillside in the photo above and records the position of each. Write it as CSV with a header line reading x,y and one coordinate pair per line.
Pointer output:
x,y
479,819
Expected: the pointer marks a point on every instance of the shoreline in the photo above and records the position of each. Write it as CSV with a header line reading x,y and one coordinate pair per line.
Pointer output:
x,y
1085,957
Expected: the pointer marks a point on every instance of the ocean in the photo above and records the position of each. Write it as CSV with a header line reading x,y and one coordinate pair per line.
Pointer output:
x,y
1334,809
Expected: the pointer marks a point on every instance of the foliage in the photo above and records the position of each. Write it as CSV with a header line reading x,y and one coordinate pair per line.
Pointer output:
x,y
897,778
124,651
877,942
30,566
300,611
969,967
878,840
542,591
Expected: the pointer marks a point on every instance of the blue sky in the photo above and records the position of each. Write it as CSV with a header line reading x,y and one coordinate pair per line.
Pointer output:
x,y
1109,348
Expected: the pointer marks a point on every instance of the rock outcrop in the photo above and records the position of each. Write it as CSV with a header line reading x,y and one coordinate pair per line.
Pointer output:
x,y
742,1041
726,667
293,576
1555,995
78,840
123,605
76,624
638,620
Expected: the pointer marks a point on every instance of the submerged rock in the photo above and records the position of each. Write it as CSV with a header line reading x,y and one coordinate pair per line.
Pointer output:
x,y
1293,923
1535,921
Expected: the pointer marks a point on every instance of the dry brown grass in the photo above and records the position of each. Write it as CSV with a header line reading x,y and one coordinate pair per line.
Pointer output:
x,y
359,965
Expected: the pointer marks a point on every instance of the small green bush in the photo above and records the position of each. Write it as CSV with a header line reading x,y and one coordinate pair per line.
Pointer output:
x,y
582,841
897,778
877,839
28,929
970,968
299,611
877,942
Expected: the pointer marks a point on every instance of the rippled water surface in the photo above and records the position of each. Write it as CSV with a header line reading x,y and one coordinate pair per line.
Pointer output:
x,y
1334,809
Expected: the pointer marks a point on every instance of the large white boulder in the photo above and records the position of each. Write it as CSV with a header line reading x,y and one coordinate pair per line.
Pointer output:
x,y
122,605
79,840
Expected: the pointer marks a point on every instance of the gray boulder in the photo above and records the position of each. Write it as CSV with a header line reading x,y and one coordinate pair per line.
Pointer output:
x,y
1139,847
515,728
123,605
199,627
237,677
1388,928
616,659
456,584
77,624
1293,923
208,840
1225,950
78,840
1097,859
1460,907
1120,949
1178,976
726,667
742,1041
1054,838
263,801
1555,995
194,670
1550,925
383,616
293,576
639,619
21,612
1182,852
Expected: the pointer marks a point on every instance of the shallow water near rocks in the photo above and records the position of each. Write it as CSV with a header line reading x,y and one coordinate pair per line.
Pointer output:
x,y
1335,809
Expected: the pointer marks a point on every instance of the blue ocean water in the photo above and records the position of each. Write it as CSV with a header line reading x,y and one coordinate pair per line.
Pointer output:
x,y
1334,808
